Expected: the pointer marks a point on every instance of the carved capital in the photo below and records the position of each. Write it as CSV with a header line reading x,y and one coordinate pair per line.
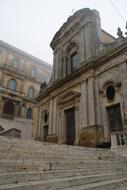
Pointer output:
x,y
117,86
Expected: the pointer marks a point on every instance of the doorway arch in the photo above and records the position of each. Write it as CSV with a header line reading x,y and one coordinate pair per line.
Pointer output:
x,y
8,108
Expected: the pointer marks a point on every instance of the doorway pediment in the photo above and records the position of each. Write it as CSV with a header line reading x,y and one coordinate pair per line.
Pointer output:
x,y
70,95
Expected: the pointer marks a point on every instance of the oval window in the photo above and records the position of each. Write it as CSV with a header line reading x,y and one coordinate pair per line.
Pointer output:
x,y
110,92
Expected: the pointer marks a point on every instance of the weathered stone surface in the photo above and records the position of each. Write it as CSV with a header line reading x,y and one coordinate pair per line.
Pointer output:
x,y
39,166
92,136
82,85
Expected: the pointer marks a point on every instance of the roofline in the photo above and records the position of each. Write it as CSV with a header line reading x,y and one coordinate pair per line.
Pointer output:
x,y
27,55
101,59
108,33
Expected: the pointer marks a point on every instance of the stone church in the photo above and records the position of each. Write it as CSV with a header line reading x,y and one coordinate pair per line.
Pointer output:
x,y
85,102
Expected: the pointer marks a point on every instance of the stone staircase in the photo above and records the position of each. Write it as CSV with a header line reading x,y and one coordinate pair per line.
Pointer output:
x,y
30,165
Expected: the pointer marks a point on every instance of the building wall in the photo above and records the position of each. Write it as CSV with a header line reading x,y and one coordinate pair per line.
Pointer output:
x,y
85,94
84,89
21,72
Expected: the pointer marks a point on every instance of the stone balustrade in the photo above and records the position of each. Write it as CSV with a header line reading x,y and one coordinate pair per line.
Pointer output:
x,y
7,116
119,138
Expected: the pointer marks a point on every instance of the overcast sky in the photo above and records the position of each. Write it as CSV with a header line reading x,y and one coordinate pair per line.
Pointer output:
x,y
31,24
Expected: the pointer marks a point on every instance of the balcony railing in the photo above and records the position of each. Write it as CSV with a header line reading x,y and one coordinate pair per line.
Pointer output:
x,y
16,70
120,138
6,116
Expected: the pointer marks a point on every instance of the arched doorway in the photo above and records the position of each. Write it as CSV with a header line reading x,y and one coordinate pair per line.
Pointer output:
x,y
8,108
29,113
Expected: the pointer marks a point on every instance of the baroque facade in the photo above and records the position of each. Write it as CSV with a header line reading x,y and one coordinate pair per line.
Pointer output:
x,y
20,77
86,99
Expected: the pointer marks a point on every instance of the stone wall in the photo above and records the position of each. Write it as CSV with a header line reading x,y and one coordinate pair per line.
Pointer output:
x,y
18,123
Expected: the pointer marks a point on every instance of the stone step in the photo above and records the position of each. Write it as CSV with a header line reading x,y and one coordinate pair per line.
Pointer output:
x,y
55,184
17,167
113,184
45,158
27,150
14,154
17,177
32,145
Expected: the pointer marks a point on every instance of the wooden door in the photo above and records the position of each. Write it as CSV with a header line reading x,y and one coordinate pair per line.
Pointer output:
x,y
70,126
114,116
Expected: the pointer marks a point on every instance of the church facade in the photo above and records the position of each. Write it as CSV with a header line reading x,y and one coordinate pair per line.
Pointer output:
x,y
85,101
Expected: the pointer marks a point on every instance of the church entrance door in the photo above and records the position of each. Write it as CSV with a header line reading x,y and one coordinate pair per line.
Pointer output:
x,y
8,108
70,126
114,116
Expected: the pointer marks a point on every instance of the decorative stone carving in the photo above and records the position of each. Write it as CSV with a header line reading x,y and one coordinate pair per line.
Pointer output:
x,y
42,86
101,91
68,96
120,33
126,29
117,86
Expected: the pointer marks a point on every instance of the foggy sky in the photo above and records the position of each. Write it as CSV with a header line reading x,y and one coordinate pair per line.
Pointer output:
x,y
31,24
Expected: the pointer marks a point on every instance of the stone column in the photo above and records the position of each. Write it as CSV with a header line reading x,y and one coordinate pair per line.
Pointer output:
x,y
39,120
41,124
54,117
104,117
83,105
63,138
77,123
91,101
51,117
1,107
97,102
64,64
57,60
58,129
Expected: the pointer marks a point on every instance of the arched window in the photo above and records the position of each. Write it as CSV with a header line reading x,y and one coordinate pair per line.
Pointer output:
x,y
33,72
8,108
15,63
12,84
29,113
72,63
30,92
23,111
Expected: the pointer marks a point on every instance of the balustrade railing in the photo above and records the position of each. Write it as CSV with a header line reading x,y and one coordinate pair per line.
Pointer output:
x,y
6,116
121,138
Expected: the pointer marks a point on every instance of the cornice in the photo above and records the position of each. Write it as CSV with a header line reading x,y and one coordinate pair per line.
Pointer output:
x,y
102,58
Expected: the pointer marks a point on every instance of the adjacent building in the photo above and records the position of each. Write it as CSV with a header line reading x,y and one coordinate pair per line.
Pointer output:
x,y
85,102
21,75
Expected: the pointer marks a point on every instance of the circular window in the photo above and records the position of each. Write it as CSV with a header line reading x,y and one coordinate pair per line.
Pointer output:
x,y
110,92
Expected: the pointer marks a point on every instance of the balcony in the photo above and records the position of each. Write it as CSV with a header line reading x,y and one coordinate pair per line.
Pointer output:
x,y
15,70
6,116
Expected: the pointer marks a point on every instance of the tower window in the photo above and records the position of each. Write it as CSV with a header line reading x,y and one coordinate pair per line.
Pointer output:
x,y
15,63
74,62
33,72
29,113
30,92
